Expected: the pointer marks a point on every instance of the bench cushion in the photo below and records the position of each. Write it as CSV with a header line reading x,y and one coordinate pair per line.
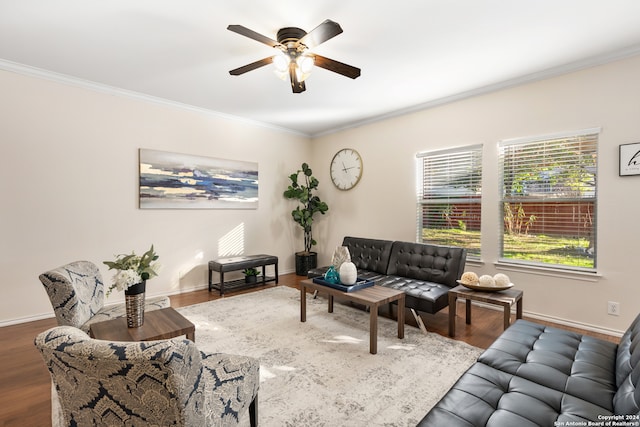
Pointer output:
x,y
241,262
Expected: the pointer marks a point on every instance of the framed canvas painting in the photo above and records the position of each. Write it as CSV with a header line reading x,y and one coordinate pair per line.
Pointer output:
x,y
182,181
630,159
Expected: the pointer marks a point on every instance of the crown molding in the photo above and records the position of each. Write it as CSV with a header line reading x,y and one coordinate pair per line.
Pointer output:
x,y
40,73
529,78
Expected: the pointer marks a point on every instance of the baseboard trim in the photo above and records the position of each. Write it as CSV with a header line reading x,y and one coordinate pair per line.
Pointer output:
x,y
533,315
42,316
570,323
27,319
555,319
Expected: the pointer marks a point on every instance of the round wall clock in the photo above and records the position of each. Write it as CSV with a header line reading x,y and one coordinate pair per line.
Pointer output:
x,y
346,169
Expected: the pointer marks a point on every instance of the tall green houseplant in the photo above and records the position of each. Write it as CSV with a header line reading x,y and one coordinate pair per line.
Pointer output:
x,y
308,205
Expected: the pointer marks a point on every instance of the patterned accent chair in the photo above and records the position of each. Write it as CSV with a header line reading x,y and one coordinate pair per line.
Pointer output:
x,y
153,383
76,292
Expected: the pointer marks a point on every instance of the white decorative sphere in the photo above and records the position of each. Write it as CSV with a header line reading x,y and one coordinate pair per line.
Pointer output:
x,y
501,279
486,280
348,273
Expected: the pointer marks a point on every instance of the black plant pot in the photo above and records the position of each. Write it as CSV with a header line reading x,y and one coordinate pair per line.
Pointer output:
x,y
250,279
305,261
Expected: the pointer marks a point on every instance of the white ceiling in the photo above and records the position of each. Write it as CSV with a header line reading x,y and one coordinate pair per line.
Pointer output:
x,y
413,53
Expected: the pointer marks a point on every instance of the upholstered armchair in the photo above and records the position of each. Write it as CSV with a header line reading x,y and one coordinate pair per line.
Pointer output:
x,y
76,292
153,383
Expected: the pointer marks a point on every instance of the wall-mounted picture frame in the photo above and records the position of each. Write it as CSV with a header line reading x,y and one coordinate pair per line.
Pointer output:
x,y
630,159
184,181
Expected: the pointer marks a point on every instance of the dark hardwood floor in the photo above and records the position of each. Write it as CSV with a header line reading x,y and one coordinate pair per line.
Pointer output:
x,y
25,383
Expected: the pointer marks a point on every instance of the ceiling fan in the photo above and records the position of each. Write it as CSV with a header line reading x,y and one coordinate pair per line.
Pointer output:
x,y
294,57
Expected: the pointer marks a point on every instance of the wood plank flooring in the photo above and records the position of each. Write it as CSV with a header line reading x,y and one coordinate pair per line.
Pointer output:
x,y
25,382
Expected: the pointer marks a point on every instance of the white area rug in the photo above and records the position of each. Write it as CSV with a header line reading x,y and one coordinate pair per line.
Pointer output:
x,y
320,373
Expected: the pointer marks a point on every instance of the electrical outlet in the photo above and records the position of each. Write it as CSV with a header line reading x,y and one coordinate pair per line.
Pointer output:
x,y
613,308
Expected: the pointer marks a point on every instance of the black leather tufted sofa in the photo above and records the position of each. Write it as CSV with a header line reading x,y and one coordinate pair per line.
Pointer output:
x,y
424,272
534,375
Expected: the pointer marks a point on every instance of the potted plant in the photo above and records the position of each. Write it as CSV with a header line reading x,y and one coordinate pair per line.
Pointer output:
x,y
133,271
308,205
250,275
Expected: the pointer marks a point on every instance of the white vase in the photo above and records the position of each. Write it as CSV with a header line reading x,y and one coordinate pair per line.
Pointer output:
x,y
348,273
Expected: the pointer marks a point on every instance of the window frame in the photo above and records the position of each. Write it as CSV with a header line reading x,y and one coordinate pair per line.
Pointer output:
x,y
473,155
591,135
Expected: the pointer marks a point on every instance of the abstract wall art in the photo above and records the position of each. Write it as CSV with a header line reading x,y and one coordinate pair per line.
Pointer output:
x,y
183,181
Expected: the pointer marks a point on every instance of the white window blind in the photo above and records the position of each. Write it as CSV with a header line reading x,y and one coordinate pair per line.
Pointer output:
x,y
548,197
450,198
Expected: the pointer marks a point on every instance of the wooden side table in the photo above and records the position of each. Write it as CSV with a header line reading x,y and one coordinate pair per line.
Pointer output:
x,y
159,324
504,298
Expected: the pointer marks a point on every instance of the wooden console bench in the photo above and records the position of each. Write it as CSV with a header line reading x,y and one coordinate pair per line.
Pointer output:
x,y
223,265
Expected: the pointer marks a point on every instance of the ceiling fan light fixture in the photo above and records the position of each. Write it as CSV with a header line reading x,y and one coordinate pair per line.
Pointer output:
x,y
305,63
281,63
294,59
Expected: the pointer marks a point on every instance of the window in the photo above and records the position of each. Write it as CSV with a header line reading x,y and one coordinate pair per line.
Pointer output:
x,y
548,200
449,198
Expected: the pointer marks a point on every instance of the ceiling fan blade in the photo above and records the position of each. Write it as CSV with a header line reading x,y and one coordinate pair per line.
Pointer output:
x,y
252,66
323,32
244,31
296,86
336,66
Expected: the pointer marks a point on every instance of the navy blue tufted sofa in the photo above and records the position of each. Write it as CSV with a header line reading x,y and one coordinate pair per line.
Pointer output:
x,y
535,375
423,271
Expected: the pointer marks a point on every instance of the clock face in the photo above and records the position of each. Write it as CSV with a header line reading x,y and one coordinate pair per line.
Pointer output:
x,y
346,169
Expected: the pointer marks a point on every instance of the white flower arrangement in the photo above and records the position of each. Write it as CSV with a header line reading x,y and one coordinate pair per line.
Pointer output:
x,y
132,269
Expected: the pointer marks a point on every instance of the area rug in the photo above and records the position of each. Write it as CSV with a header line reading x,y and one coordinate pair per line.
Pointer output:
x,y
320,373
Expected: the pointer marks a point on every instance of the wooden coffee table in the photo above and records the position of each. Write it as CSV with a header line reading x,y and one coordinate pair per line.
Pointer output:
x,y
159,324
504,298
372,297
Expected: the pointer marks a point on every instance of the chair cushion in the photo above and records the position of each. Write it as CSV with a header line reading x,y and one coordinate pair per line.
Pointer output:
x,y
153,383
235,379
76,292
114,383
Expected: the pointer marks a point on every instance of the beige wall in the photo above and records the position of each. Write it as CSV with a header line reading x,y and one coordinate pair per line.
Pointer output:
x,y
383,204
69,188
69,171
